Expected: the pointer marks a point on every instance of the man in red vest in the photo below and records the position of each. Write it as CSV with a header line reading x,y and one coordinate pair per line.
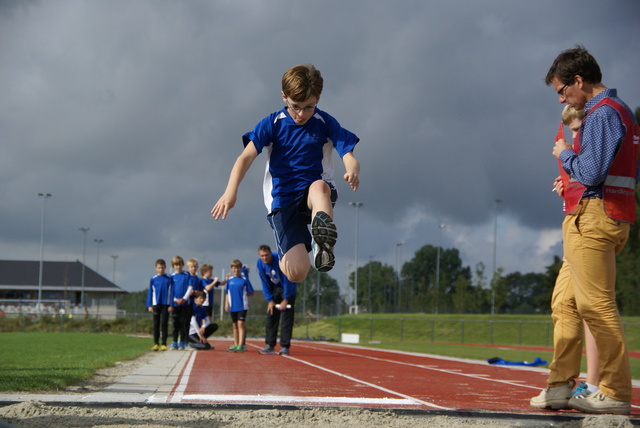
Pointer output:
x,y
600,198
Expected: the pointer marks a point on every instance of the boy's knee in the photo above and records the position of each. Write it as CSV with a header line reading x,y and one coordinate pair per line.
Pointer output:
x,y
297,273
320,186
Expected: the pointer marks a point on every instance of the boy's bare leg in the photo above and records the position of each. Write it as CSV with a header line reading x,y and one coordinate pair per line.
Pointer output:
x,y
295,263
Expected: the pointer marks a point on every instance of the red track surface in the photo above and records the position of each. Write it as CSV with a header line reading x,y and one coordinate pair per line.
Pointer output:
x,y
330,374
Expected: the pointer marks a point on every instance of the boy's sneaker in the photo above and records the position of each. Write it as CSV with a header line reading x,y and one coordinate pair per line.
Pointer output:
x,y
181,346
174,346
600,403
241,348
233,348
555,398
162,348
284,351
582,389
267,350
324,235
155,348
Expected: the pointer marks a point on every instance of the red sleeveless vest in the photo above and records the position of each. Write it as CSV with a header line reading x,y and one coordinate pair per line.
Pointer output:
x,y
618,191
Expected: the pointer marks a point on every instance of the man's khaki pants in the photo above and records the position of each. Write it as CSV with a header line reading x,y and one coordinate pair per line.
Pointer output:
x,y
585,289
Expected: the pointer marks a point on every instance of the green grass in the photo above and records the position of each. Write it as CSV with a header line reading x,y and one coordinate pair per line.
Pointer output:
x,y
49,361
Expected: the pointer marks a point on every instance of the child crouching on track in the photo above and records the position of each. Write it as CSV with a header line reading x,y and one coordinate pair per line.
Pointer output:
x,y
201,326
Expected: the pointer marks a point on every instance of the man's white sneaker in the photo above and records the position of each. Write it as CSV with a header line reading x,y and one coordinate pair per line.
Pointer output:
x,y
553,397
600,403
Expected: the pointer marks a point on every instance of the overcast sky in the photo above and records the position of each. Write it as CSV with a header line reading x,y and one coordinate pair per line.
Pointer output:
x,y
130,113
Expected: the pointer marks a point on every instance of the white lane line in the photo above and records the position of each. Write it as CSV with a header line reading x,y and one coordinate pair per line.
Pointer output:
x,y
176,397
427,367
389,391
279,399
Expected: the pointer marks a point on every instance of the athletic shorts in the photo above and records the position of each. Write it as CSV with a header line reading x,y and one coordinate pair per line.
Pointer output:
x,y
290,223
238,316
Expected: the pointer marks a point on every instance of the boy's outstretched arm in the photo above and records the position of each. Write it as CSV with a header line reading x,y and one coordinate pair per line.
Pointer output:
x,y
352,166
240,168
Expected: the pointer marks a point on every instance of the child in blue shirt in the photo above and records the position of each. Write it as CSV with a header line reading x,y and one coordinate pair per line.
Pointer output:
x,y
200,327
298,185
159,303
237,304
209,282
180,308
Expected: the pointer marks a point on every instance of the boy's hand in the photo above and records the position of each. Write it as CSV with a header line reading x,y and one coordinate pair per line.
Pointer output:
x,y
558,186
150,309
222,207
353,180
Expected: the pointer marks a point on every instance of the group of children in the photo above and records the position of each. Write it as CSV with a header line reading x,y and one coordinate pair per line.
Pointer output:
x,y
188,298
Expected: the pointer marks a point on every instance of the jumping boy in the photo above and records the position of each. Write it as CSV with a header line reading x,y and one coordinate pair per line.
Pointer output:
x,y
237,304
298,183
200,327
159,303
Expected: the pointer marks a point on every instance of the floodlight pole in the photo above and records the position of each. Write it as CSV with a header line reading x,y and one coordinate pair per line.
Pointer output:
x,y
44,197
84,251
357,206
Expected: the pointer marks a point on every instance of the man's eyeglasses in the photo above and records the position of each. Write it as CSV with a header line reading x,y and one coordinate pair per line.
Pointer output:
x,y
561,91
302,109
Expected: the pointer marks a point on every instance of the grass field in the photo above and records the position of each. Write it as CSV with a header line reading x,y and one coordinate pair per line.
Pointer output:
x,y
49,361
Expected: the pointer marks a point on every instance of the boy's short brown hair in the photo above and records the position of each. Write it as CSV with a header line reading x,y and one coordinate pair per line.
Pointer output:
x,y
301,82
197,294
177,260
236,263
204,268
161,262
569,114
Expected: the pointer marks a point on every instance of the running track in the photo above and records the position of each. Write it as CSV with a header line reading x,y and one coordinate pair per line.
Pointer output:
x,y
332,374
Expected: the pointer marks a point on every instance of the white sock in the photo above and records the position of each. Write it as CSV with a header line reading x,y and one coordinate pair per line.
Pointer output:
x,y
592,388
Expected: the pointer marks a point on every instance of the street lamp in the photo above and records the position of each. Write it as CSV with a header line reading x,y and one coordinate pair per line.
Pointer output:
x,y
398,267
84,231
98,242
357,205
114,268
441,226
44,197
495,245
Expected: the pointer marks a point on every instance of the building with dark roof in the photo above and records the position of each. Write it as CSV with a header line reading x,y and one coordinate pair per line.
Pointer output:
x,y
61,285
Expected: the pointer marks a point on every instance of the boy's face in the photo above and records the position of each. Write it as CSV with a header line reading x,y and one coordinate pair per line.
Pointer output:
x,y
160,269
207,273
177,267
199,300
301,112
574,126
236,270
192,267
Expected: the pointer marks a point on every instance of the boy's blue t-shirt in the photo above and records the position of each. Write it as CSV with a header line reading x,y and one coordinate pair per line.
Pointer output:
x,y
298,155
180,286
159,290
238,290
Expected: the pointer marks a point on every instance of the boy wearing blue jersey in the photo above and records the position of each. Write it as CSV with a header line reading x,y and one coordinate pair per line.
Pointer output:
x,y
180,303
208,284
200,327
237,304
159,303
298,184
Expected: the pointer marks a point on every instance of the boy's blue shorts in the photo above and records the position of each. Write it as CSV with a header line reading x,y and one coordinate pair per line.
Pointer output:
x,y
289,223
